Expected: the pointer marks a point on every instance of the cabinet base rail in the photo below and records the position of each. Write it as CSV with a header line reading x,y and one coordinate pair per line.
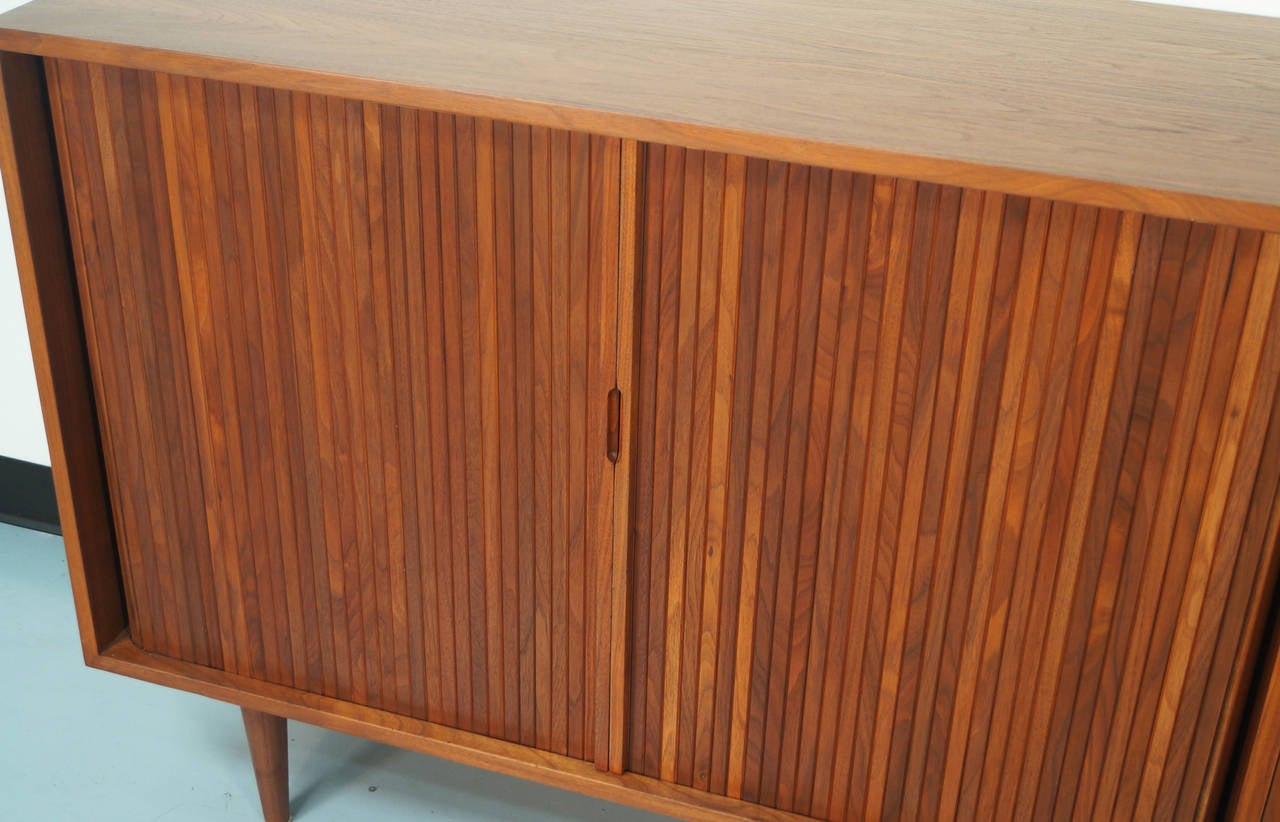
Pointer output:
x,y
276,703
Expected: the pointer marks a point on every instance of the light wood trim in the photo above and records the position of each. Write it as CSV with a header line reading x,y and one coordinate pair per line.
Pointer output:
x,y
123,657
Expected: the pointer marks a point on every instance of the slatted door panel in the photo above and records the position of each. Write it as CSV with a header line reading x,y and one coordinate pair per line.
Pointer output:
x,y
946,503
352,364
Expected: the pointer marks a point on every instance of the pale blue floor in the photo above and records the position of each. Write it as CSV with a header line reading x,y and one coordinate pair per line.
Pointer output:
x,y
84,745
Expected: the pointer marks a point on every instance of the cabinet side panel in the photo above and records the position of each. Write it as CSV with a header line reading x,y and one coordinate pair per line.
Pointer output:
x,y
946,502
45,271
354,363
1249,788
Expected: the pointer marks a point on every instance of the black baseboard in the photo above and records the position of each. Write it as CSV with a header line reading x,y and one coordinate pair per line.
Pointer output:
x,y
26,496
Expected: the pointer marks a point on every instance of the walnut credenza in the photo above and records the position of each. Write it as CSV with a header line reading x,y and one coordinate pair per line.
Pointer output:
x,y
734,410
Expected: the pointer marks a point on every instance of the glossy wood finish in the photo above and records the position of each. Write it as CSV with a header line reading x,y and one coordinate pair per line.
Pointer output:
x,y
1110,103
43,254
371,346
269,748
948,504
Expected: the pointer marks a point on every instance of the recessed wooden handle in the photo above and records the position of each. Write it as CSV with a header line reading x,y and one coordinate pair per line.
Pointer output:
x,y
615,411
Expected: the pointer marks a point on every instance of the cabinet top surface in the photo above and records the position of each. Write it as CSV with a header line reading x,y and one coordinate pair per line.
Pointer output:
x,y
1126,94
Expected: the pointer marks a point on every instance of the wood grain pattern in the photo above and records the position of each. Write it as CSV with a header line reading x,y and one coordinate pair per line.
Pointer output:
x,y
1115,104
351,363
945,500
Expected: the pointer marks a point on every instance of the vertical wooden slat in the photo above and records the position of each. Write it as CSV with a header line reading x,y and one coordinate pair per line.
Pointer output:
x,y
350,463
996,413
403,557
954,398
1255,370
1210,751
888,257
576,292
1213,344
730,252
896,572
688,186
1068,268
259,120
166,307
139,328
430,137
316,427
558,377
544,422
1040,279
751,677
420,553
922,489
881,485
1088,524
523,299
697,580
379,401
871,269
508,496
648,579
101,314
269,474
731,718
616,605
830,372
832,603
470,565
487,349
804,460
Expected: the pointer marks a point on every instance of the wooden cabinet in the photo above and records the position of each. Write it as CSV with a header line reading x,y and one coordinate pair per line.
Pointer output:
x,y
717,462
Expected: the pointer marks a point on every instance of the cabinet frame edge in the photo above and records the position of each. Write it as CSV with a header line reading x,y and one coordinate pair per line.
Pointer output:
x,y
46,272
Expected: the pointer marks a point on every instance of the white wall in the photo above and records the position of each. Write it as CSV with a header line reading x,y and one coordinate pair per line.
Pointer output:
x,y
1268,8
21,427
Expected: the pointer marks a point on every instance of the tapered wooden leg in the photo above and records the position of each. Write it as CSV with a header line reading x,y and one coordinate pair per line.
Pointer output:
x,y
269,749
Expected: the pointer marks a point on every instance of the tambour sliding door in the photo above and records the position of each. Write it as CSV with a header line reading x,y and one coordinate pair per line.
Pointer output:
x,y
353,366
947,503
846,495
